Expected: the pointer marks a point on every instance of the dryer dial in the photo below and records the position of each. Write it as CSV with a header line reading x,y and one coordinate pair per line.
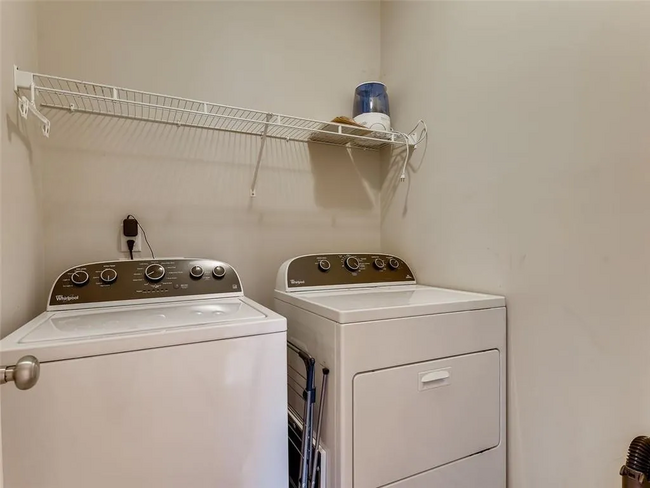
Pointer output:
x,y
196,272
219,272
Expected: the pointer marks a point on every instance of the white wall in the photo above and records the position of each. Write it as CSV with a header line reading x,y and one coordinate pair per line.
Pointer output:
x,y
536,185
21,239
188,187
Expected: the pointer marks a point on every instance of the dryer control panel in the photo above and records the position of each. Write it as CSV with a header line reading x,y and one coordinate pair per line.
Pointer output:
x,y
143,279
323,270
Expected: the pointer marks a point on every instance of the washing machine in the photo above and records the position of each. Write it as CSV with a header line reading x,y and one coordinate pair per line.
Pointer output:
x,y
417,383
153,373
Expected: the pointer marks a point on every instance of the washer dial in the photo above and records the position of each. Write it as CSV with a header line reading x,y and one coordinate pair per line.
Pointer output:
x,y
219,272
393,263
154,272
324,265
352,263
79,278
379,263
108,275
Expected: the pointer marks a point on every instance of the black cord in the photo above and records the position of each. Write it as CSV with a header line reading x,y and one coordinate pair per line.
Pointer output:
x,y
130,243
144,233
147,241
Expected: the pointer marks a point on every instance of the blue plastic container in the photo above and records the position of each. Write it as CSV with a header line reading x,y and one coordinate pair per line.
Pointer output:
x,y
371,107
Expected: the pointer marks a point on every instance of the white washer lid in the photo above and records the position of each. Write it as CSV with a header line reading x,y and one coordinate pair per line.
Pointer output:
x,y
69,334
388,302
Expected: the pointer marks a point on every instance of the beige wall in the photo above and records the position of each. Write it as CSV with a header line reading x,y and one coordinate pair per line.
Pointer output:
x,y
536,185
21,249
190,188
21,239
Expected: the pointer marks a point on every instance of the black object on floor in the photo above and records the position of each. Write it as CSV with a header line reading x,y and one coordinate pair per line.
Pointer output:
x,y
636,471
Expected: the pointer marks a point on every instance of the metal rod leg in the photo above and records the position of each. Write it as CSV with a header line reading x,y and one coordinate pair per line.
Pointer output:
x,y
321,408
259,156
308,439
308,418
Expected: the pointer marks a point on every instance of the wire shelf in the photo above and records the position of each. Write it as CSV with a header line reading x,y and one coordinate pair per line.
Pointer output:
x,y
82,96
37,91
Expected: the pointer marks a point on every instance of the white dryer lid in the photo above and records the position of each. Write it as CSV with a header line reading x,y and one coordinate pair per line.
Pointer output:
x,y
63,335
387,302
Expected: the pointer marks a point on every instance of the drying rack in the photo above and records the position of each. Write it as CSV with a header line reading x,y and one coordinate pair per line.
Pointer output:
x,y
36,91
306,456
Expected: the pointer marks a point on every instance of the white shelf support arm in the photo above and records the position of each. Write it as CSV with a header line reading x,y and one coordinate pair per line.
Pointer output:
x,y
260,154
25,80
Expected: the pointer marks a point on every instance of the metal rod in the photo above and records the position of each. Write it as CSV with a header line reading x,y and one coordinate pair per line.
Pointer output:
x,y
309,395
384,140
293,389
175,111
294,445
110,93
308,419
260,154
303,354
321,408
154,121
174,108
294,370
100,85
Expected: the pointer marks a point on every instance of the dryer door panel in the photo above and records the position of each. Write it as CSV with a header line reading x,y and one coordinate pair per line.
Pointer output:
x,y
411,419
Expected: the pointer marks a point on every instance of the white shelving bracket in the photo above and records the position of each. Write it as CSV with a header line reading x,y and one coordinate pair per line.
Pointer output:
x,y
25,80
260,154
22,79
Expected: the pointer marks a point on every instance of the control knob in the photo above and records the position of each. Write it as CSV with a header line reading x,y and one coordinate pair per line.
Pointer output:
x,y
196,272
379,263
219,272
108,276
79,278
352,263
393,263
154,272
324,265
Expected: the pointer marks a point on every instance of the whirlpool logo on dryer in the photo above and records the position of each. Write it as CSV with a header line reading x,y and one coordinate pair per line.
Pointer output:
x,y
67,298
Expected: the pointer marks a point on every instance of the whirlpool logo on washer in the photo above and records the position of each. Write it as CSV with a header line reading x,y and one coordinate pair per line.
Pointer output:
x,y
297,282
67,298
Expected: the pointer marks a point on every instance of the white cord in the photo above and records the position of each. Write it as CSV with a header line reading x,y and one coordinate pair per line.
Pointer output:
x,y
415,127
402,177
424,135
426,141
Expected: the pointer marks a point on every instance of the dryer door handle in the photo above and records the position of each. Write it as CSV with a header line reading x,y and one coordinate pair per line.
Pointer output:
x,y
435,376
434,379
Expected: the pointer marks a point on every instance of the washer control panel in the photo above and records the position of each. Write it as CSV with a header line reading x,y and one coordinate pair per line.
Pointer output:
x,y
346,269
142,279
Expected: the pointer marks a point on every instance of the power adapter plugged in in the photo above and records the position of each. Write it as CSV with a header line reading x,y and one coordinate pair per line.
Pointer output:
x,y
130,227
129,232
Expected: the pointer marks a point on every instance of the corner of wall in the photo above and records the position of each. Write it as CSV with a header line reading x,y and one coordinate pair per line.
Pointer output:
x,y
21,247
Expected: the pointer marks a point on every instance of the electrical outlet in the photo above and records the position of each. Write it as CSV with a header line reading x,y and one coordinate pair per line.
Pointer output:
x,y
137,247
